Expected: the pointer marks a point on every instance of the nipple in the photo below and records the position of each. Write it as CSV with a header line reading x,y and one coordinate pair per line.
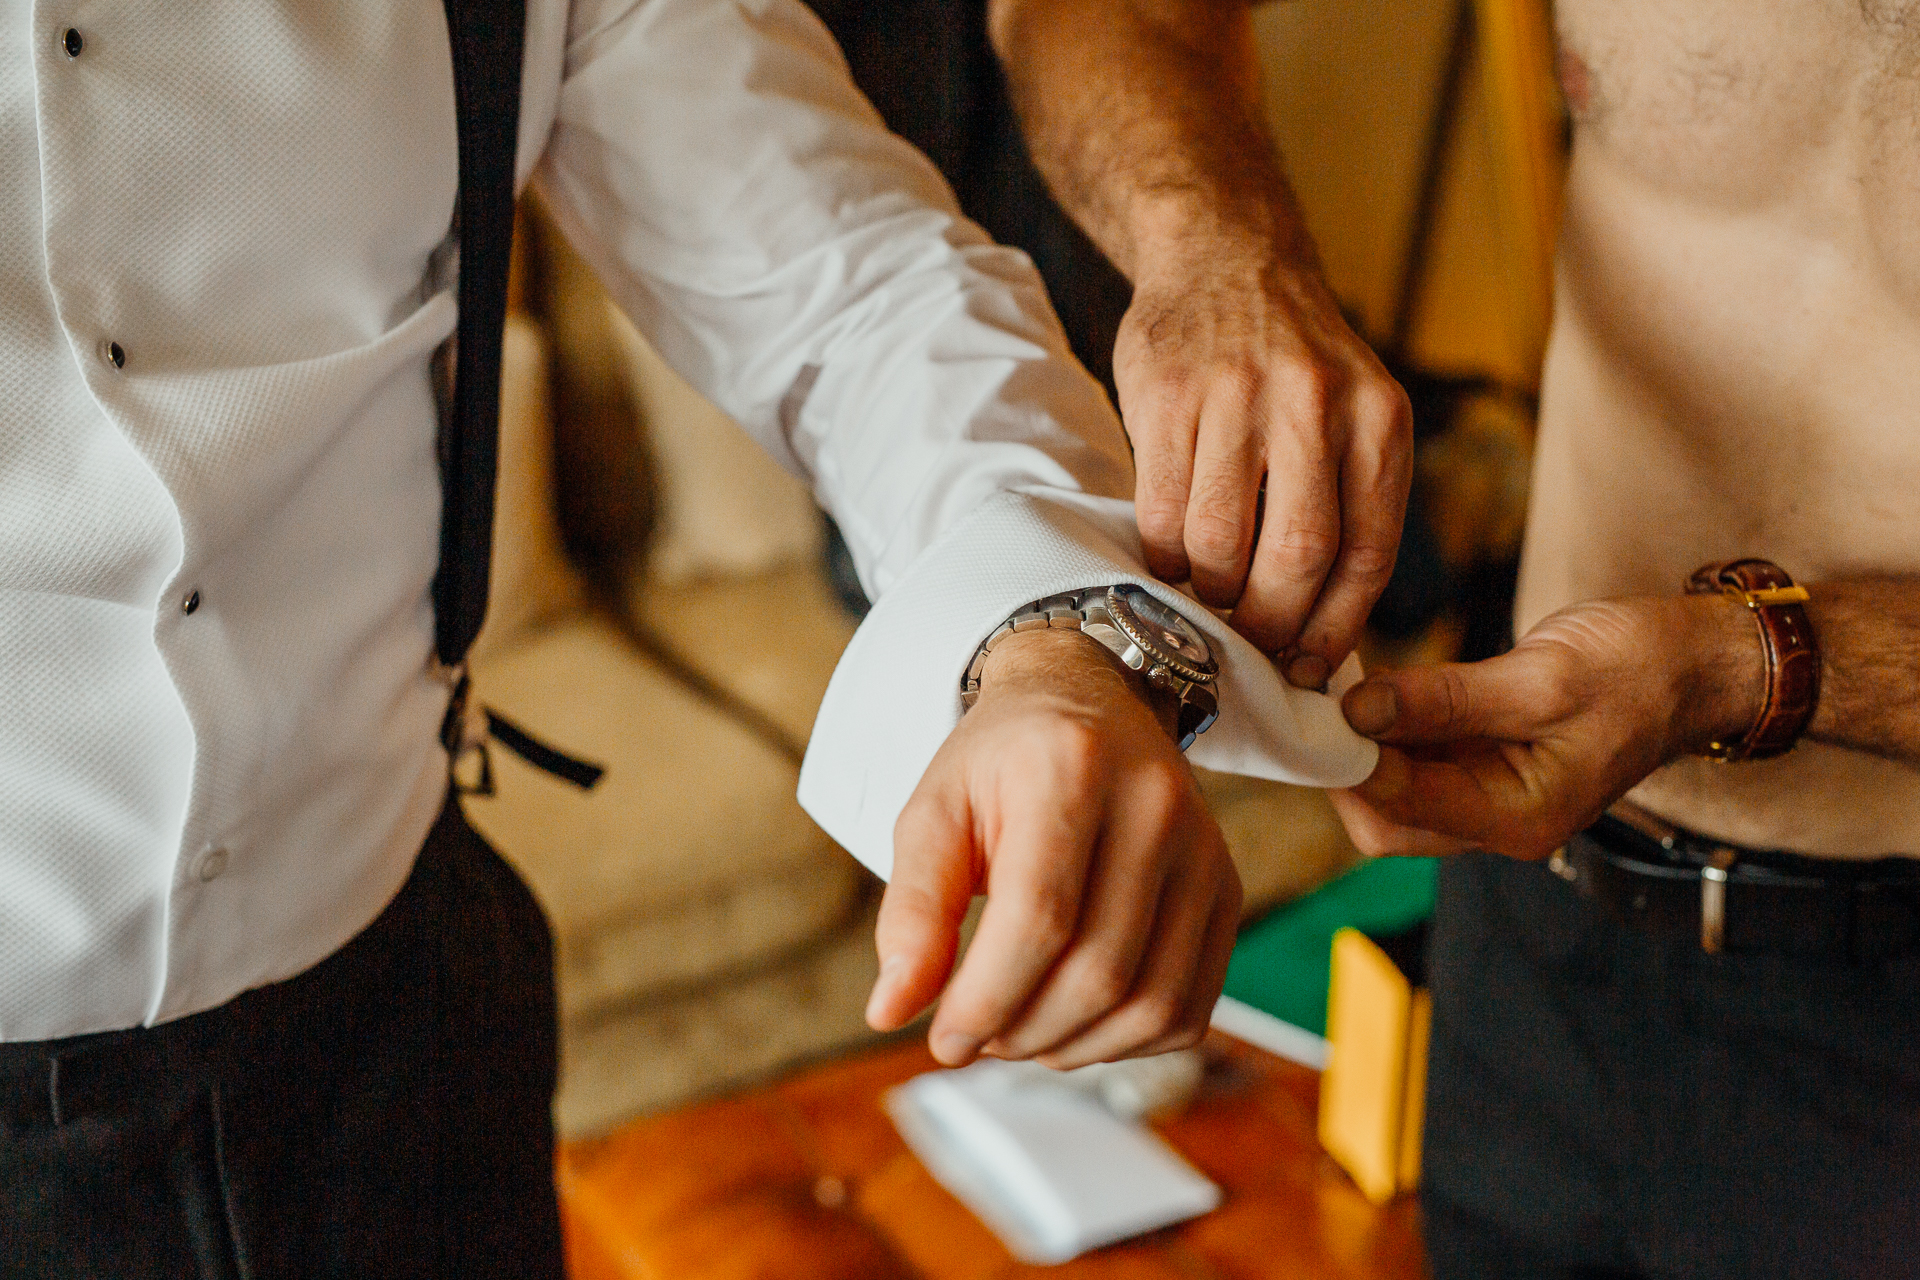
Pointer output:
x,y
1576,81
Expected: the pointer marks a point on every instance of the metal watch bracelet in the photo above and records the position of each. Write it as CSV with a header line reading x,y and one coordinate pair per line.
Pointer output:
x,y
1102,615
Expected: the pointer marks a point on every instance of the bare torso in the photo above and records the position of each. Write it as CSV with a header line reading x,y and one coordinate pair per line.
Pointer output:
x,y
1735,365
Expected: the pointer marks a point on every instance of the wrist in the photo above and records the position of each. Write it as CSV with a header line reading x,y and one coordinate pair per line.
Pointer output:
x,y
1071,668
1722,666
1144,635
1182,233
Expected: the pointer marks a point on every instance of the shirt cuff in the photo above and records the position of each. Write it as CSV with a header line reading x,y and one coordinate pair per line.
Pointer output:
x,y
895,695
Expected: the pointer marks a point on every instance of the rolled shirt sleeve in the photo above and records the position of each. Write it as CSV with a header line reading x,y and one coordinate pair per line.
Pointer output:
x,y
810,273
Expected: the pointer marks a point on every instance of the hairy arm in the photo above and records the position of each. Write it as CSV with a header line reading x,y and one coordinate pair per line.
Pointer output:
x,y
1234,365
1869,634
1516,753
1144,118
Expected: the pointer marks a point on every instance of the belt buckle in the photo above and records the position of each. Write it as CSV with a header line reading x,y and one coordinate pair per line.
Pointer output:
x,y
1560,866
1713,900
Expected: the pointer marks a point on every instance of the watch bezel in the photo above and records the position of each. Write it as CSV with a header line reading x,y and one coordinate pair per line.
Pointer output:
x,y
1129,623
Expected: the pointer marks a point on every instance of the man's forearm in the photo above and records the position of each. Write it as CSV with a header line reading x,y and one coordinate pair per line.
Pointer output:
x,y
1869,635
1144,117
1236,373
1868,630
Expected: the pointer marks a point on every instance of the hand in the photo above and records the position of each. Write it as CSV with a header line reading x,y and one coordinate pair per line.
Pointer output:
x,y
1111,901
1234,372
1517,753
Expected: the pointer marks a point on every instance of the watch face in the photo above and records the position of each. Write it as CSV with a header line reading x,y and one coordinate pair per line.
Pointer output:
x,y
1166,628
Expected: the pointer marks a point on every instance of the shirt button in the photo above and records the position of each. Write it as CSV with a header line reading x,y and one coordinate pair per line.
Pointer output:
x,y
113,354
191,603
210,865
72,43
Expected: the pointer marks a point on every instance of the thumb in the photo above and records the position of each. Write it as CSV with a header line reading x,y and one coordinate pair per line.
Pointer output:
x,y
1428,705
919,927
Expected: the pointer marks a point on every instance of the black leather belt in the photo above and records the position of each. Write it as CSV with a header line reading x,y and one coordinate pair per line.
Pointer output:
x,y
1745,900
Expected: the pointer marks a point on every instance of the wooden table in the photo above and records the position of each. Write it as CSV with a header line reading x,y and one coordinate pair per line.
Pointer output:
x,y
807,1180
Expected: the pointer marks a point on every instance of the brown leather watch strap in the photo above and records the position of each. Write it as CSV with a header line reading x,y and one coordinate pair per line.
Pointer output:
x,y
1793,655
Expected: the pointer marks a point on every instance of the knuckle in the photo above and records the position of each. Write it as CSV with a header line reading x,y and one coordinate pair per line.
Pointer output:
x,y
1047,922
1307,387
1370,841
1217,539
1383,403
919,826
1304,549
1054,754
1161,409
1076,747
1166,387
1369,560
1155,1015
1156,796
1162,514
1458,697
1238,382
1100,985
1186,1035
1163,786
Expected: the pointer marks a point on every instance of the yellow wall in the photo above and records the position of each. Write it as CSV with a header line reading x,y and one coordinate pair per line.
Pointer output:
x,y
1351,87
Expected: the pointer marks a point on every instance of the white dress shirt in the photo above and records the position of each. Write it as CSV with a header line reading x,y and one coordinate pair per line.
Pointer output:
x,y
218,497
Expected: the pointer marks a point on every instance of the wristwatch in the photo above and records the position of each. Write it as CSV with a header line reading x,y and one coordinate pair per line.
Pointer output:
x,y
1792,651
1143,633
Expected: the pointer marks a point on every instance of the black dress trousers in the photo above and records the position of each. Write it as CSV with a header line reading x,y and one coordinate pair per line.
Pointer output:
x,y
1602,1102
385,1113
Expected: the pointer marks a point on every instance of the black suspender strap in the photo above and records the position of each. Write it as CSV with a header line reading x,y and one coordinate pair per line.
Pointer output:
x,y
487,38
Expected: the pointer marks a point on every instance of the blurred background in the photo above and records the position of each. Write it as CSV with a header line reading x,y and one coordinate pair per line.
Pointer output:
x,y
668,604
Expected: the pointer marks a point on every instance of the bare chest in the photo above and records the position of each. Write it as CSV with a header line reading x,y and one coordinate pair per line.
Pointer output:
x,y
1736,103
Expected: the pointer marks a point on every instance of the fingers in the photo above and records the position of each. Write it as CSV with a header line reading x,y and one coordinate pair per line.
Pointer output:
x,y
1374,480
1377,836
1181,977
1300,535
1221,396
1163,420
1502,797
1216,953
934,872
1035,887
1126,889
1510,698
1229,458
1203,991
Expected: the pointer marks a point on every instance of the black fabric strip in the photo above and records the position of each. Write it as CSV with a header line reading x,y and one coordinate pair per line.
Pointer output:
x,y
541,756
487,38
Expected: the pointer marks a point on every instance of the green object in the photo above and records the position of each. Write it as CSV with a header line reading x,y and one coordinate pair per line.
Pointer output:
x,y
1281,962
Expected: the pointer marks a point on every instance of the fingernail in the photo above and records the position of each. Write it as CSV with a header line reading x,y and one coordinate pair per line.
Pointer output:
x,y
1308,671
1372,708
953,1048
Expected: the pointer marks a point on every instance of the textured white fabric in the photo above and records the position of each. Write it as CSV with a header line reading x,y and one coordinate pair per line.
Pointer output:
x,y
243,196
896,692
221,190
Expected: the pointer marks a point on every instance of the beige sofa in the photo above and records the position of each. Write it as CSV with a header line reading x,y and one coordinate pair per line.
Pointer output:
x,y
708,933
